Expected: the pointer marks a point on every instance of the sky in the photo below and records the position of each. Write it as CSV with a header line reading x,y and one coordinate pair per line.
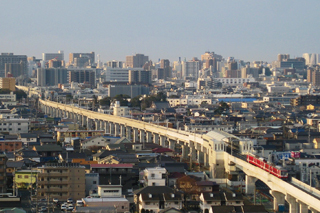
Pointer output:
x,y
251,30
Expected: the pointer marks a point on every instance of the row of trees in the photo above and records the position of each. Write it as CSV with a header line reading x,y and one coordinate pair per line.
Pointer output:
x,y
138,101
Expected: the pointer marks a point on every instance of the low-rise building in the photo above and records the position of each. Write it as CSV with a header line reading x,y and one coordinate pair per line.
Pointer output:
x,y
13,124
23,179
154,176
109,196
61,135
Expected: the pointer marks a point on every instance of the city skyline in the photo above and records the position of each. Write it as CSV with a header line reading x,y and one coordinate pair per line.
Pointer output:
x,y
248,30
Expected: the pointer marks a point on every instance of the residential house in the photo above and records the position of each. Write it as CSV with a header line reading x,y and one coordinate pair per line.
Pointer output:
x,y
154,176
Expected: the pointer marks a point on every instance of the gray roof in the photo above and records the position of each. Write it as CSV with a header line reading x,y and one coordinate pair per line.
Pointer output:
x,y
15,164
154,190
49,148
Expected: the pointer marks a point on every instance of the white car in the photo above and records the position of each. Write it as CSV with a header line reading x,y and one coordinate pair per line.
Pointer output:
x,y
63,207
55,200
70,200
70,207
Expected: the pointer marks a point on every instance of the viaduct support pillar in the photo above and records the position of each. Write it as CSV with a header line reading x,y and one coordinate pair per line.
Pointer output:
x,y
106,127
156,138
97,124
122,131
135,135
148,137
292,203
162,141
278,199
303,208
142,136
128,133
250,184
116,129
111,125
171,144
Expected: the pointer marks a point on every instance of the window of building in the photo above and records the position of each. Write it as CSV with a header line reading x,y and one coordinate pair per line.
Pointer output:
x,y
94,182
19,176
19,123
26,176
20,129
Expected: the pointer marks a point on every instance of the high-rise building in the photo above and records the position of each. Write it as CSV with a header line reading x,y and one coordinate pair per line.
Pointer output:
x,y
232,65
81,59
52,76
83,75
15,70
165,65
313,76
8,83
253,71
282,57
190,69
210,55
137,60
48,56
10,58
139,77
115,64
61,181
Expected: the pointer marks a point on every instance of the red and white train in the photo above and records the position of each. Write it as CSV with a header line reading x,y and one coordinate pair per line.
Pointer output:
x,y
262,163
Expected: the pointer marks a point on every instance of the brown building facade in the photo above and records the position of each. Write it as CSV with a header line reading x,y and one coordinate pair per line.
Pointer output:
x,y
61,181
10,145
3,177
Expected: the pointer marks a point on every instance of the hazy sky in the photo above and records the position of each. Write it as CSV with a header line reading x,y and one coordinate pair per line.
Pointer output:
x,y
246,29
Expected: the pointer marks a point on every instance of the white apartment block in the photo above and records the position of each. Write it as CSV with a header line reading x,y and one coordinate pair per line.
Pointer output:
x,y
154,176
8,97
188,100
13,124
121,111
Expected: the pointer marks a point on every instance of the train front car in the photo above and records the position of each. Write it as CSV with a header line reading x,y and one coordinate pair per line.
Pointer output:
x,y
260,162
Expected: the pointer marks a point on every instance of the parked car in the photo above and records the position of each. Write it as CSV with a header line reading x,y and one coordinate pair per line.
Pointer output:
x,y
69,200
70,207
55,200
63,207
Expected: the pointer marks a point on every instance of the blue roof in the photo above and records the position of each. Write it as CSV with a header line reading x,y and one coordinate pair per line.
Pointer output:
x,y
237,99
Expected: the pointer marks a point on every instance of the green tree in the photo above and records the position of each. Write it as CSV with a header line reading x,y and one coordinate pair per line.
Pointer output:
x,y
105,101
123,99
136,102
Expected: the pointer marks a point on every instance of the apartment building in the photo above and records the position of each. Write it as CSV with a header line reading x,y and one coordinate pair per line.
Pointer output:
x,y
62,181
3,176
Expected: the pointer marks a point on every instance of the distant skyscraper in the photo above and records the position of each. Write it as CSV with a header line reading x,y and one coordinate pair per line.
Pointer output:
x,y
84,75
282,57
9,58
115,64
48,56
190,69
165,65
139,77
137,60
210,55
14,69
52,76
81,59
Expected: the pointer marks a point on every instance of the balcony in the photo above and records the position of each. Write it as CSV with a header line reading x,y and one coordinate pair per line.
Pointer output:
x,y
53,189
2,170
54,174
1,177
2,162
53,182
